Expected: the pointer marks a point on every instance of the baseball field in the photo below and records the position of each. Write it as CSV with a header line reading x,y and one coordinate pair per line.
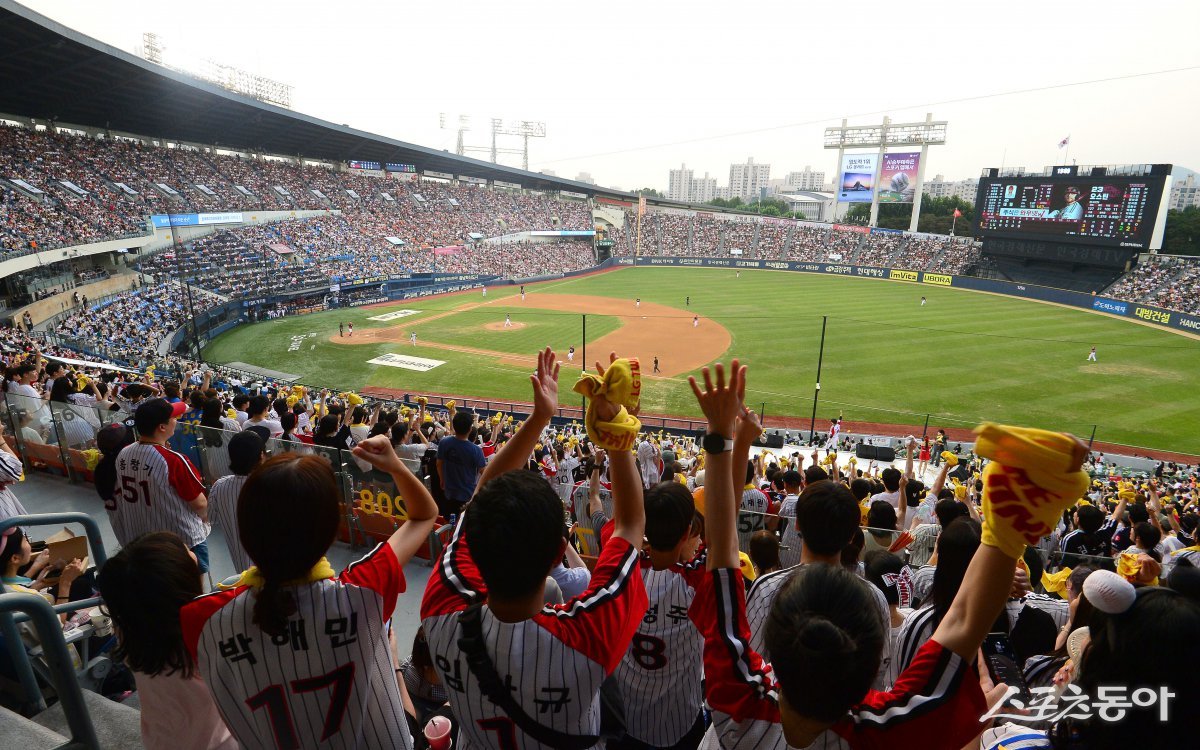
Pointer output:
x,y
961,358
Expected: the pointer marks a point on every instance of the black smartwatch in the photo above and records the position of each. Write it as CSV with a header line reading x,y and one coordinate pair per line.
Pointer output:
x,y
715,443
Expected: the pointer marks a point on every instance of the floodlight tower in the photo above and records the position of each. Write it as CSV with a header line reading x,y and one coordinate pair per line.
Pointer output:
x,y
923,134
524,129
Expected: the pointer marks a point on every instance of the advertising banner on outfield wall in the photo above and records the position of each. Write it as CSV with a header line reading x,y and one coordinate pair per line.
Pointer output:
x,y
858,178
898,177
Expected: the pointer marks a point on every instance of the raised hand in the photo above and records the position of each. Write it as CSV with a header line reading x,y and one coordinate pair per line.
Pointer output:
x,y
545,385
721,402
378,452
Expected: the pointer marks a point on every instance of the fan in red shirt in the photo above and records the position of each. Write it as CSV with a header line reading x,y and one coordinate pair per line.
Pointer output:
x,y
823,635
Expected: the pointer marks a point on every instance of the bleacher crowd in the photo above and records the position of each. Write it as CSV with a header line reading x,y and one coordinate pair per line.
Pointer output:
x,y
697,593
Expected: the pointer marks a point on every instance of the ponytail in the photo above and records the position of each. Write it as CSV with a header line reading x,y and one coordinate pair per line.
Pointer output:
x,y
273,605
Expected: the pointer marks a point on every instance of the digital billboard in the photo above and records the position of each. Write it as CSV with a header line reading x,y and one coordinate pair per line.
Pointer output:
x,y
898,177
1105,210
858,178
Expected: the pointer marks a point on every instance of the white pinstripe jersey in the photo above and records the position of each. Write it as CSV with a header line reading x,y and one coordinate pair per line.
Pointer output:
x,y
579,500
154,486
11,471
222,511
327,682
554,661
660,675
762,595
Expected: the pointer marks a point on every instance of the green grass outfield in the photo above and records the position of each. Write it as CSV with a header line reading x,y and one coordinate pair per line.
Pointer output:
x,y
964,357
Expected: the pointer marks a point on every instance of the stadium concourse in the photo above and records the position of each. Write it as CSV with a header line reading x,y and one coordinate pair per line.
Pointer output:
x,y
691,582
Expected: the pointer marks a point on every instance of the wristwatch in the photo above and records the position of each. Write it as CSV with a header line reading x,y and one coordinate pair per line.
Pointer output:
x,y
715,443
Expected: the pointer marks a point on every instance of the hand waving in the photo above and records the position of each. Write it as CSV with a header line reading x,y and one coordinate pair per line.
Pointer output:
x,y
721,402
545,385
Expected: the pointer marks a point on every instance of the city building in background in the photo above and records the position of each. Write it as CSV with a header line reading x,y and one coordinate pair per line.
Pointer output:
x,y
748,181
940,187
805,180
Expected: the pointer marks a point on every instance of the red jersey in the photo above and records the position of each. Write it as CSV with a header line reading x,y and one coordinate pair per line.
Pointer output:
x,y
938,696
554,661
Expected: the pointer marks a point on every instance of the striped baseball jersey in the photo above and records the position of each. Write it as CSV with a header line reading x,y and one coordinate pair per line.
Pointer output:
x,y
11,472
564,480
578,504
752,516
154,486
659,677
789,543
762,596
938,696
1190,554
554,661
222,511
327,681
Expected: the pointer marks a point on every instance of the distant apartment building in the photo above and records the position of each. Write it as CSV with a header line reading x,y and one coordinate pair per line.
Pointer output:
x,y
805,180
748,181
940,187
683,185
1184,193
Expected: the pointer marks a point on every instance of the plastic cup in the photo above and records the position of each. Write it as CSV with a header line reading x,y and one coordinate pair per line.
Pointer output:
x,y
437,733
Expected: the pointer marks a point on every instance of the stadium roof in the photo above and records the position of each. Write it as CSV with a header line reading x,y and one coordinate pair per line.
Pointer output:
x,y
51,72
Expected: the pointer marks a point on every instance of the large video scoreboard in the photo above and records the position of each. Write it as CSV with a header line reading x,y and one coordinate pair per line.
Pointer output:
x,y
1116,211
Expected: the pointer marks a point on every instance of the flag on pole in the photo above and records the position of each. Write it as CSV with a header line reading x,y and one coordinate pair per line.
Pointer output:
x,y
641,205
957,213
1064,142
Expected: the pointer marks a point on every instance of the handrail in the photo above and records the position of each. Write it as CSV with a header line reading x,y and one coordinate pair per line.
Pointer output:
x,y
90,527
8,624
54,646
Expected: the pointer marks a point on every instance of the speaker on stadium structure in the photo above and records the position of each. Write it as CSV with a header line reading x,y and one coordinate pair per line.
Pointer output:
x,y
992,172
884,454
1099,171
768,440
865,452
1160,169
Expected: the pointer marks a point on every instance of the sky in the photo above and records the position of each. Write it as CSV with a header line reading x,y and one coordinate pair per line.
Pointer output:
x,y
630,90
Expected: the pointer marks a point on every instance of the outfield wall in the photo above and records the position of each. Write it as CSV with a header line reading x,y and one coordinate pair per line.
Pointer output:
x,y
1119,308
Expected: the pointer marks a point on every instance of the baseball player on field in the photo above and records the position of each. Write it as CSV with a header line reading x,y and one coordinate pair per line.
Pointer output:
x,y
521,674
294,654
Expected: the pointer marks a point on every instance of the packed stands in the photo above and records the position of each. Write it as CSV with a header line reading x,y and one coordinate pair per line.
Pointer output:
x,y
129,326
1170,281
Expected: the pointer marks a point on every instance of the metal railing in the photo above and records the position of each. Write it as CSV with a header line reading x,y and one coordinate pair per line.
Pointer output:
x,y
51,639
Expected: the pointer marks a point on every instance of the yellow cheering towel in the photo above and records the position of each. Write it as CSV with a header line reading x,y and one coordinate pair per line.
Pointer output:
x,y
231,413
252,578
298,391
1127,494
292,400
1033,476
747,566
960,493
450,405
91,458
620,385
949,458
351,398
422,401
1056,583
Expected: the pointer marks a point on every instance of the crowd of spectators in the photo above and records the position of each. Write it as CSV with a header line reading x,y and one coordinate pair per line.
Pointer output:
x,y
117,182
1169,282
130,326
845,588
300,253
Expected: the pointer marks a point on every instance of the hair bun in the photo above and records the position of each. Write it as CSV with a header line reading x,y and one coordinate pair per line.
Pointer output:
x,y
1109,592
823,639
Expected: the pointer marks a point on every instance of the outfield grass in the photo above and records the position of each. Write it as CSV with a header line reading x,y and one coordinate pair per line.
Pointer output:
x,y
964,357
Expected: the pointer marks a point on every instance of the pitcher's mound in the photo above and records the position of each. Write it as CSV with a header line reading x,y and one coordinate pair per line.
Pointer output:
x,y
514,326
